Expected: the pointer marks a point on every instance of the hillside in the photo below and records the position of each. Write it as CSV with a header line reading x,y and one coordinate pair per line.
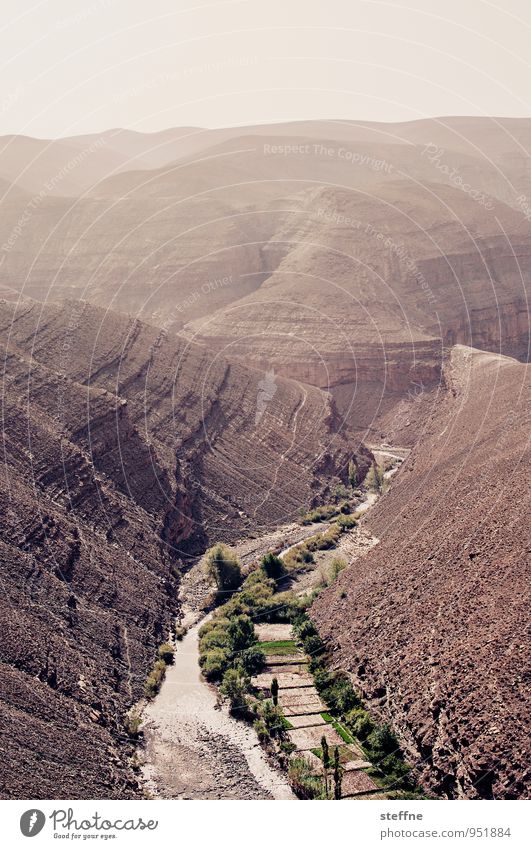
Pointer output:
x,y
431,623
124,450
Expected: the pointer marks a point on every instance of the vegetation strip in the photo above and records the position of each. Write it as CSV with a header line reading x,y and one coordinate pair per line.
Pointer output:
x,y
232,656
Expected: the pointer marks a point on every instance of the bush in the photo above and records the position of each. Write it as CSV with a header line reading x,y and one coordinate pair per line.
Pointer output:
x,y
154,680
216,638
359,722
261,729
337,566
320,514
353,475
234,687
346,522
132,723
216,622
328,539
274,719
382,741
166,653
253,660
313,645
223,567
214,663
396,772
304,784
240,632
180,632
336,690
273,566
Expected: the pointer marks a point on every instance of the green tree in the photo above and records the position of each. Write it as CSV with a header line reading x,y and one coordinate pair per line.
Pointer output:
x,y
223,567
273,566
253,660
234,687
240,632
353,473
374,479
274,691
326,761
338,774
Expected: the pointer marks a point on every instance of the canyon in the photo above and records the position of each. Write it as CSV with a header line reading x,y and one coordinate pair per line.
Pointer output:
x,y
201,331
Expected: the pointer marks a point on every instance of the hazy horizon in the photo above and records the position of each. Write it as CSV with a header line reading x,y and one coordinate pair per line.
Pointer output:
x,y
73,69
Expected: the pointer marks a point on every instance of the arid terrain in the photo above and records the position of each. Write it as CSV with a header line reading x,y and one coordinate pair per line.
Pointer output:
x,y
201,329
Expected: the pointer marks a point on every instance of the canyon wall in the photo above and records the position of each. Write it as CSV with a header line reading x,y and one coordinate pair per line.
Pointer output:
x,y
429,623
124,450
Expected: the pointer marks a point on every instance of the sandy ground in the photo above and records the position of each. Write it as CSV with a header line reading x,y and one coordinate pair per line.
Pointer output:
x,y
194,749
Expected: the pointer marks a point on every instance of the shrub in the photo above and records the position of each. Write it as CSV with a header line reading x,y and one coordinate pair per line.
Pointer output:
x,y
382,741
166,653
304,784
180,632
328,539
214,663
274,719
132,723
216,622
261,729
253,660
359,722
320,514
304,627
396,772
223,567
154,680
240,632
313,645
217,638
353,473
273,566
337,566
336,690
234,687
346,522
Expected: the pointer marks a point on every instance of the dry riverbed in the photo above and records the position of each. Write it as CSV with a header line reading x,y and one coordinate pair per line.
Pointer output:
x,y
193,748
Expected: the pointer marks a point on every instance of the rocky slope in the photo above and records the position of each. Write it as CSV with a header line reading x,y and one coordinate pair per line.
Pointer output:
x,y
431,623
123,450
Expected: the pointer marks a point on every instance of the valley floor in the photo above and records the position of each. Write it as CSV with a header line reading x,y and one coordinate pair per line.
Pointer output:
x,y
193,748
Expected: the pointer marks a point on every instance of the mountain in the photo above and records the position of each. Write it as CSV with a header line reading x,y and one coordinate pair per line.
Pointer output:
x,y
348,262
124,450
430,622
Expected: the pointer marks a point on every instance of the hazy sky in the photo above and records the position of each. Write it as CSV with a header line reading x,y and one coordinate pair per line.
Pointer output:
x,y
76,66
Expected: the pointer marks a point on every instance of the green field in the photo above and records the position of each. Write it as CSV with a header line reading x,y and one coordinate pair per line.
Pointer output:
x,y
280,647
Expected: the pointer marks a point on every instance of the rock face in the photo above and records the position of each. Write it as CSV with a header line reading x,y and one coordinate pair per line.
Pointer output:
x,y
123,449
431,624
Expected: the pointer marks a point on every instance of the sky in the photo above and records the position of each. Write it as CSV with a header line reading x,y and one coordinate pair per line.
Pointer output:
x,y
79,66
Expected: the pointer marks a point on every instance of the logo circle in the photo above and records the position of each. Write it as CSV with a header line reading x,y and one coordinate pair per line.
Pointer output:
x,y
32,822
